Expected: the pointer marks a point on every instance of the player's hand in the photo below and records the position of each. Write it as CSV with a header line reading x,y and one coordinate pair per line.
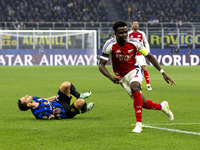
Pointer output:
x,y
116,79
56,111
168,79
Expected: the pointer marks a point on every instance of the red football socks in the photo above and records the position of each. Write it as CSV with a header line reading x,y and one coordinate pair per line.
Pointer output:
x,y
152,105
137,103
146,76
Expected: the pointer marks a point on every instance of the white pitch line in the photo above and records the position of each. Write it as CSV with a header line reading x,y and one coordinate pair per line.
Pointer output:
x,y
173,130
170,124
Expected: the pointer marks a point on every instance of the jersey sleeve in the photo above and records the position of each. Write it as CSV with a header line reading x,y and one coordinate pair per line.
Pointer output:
x,y
140,47
43,115
107,49
144,51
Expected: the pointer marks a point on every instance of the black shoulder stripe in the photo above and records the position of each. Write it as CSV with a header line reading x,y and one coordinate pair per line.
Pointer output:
x,y
105,55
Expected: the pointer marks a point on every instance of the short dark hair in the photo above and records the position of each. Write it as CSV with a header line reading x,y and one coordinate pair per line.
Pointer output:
x,y
22,106
119,24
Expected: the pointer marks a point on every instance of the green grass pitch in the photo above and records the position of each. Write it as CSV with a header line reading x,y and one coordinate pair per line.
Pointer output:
x,y
108,126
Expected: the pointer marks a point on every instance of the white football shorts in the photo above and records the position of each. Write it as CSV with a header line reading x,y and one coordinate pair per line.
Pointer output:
x,y
133,75
140,60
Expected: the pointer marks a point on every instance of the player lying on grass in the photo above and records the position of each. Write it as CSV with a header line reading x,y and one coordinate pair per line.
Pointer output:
x,y
57,107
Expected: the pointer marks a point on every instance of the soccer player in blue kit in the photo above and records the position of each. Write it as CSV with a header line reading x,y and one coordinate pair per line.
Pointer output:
x,y
57,107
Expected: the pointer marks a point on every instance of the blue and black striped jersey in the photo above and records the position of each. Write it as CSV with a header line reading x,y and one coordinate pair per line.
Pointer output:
x,y
45,108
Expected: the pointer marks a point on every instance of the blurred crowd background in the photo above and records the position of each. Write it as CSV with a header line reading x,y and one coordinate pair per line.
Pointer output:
x,y
159,10
53,10
163,21
97,11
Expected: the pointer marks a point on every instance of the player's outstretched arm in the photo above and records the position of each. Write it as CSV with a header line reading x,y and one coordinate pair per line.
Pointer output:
x,y
168,79
51,98
155,63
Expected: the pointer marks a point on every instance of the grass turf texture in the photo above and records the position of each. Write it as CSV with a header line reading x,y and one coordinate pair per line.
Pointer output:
x,y
108,126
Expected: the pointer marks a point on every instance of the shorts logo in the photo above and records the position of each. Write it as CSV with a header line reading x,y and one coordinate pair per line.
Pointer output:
x,y
136,76
73,110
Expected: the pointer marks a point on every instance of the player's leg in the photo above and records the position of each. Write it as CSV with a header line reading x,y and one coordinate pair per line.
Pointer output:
x,y
63,94
75,93
146,76
137,103
149,104
132,84
137,98
65,91
65,88
68,88
152,105
81,105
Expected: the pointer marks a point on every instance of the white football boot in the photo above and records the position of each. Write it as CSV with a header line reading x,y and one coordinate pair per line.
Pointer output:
x,y
165,109
85,95
90,106
138,128
149,87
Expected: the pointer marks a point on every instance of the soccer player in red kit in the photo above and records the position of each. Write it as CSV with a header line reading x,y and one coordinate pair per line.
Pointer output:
x,y
140,59
122,51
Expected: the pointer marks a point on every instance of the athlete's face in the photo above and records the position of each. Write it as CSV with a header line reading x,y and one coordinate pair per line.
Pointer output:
x,y
27,99
121,35
135,25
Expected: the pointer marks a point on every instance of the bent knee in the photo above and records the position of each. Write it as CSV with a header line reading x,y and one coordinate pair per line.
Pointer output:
x,y
144,68
79,103
135,87
66,84
134,90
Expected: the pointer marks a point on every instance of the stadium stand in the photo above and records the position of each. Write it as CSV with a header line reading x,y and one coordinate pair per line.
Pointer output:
x,y
23,14
174,18
53,11
94,10
154,11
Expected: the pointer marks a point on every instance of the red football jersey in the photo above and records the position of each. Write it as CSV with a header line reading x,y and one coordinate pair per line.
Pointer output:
x,y
122,57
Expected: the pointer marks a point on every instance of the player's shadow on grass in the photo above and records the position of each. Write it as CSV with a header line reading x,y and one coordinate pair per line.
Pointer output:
x,y
83,118
76,118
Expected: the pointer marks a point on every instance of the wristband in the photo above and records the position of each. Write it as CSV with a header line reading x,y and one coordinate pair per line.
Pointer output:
x,y
161,71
